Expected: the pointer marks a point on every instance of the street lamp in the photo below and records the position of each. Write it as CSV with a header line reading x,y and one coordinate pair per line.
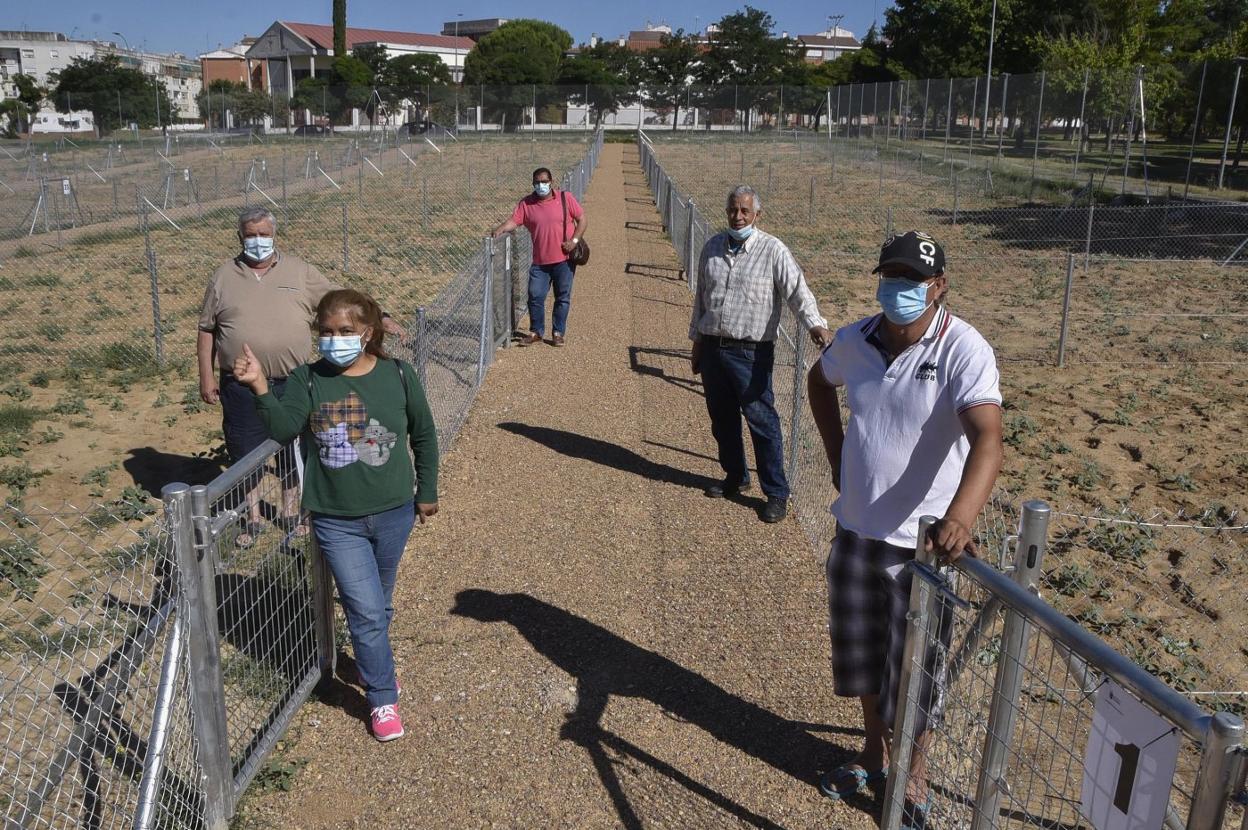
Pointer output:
x,y
460,79
992,36
128,49
1230,117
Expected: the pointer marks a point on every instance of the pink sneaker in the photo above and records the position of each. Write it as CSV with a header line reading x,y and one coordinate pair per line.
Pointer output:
x,y
386,723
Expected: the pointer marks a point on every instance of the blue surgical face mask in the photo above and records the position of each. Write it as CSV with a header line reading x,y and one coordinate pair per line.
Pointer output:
x,y
741,234
258,248
541,188
903,301
341,351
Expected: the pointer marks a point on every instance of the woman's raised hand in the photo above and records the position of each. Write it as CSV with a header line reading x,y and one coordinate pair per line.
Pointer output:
x,y
247,370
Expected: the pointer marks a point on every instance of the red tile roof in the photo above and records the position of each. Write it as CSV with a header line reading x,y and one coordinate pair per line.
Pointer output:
x,y
821,40
323,37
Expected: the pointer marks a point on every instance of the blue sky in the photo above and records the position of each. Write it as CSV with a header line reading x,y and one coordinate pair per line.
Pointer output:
x,y
194,27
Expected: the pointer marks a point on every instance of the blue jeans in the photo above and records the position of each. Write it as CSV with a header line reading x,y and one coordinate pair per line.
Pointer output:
x,y
737,381
540,278
363,552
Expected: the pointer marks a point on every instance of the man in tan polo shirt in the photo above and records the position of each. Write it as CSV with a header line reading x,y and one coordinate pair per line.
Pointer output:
x,y
267,299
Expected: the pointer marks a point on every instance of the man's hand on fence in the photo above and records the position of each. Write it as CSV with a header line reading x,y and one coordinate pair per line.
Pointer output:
x,y
248,371
820,336
425,511
209,392
948,539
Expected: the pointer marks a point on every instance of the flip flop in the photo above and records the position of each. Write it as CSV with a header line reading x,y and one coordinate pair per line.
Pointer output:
x,y
914,815
249,535
849,779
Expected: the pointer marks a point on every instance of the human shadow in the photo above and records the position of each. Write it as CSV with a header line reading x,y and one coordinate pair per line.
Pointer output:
x,y
605,664
151,469
647,227
575,445
663,272
636,362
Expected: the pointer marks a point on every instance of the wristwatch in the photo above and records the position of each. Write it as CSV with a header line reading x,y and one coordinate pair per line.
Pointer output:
x,y
576,240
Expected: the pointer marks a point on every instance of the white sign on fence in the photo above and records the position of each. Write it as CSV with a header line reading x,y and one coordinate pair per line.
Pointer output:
x,y
65,186
1129,764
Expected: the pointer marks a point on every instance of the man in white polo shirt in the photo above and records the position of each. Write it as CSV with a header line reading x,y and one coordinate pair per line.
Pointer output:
x,y
924,438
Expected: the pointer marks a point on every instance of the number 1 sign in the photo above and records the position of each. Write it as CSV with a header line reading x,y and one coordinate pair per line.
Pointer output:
x,y
1129,764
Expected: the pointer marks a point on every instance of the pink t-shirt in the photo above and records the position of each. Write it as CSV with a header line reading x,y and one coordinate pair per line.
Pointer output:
x,y
542,217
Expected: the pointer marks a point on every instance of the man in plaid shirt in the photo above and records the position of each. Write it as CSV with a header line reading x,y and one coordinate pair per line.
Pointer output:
x,y
744,275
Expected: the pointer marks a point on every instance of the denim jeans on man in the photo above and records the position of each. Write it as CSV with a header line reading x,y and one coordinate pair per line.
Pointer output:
x,y
737,381
540,278
363,552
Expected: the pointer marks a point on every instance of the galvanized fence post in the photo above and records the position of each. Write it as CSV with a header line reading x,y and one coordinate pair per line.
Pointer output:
x,y
487,274
1065,331
920,621
1221,760
322,607
198,606
1033,532
690,252
345,243
799,386
422,346
158,334
509,287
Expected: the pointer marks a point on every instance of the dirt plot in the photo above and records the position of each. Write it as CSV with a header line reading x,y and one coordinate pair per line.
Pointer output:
x,y
90,416
1143,425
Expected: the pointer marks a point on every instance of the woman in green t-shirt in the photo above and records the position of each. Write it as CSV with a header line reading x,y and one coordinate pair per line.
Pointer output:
x,y
359,408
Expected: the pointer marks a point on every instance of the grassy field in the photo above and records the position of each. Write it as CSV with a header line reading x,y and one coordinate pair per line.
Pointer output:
x,y
1146,417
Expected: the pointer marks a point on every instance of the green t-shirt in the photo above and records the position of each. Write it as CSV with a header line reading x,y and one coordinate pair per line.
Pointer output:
x,y
357,427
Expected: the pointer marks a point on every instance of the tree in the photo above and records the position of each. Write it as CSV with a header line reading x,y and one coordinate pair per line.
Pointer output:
x,y
519,56
249,106
114,94
352,83
743,56
410,78
340,28
372,55
21,110
603,77
315,96
666,71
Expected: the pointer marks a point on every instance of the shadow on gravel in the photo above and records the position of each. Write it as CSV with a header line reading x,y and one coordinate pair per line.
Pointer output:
x,y
604,452
641,269
637,362
606,664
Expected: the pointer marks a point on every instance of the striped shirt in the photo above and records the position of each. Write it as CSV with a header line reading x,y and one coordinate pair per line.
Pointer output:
x,y
739,293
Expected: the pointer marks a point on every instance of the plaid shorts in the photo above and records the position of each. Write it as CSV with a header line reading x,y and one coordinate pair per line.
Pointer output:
x,y
868,599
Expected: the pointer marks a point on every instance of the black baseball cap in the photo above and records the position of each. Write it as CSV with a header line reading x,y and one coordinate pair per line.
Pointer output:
x,y
914,249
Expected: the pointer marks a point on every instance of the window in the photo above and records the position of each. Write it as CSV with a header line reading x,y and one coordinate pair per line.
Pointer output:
x,y
28,53
55,55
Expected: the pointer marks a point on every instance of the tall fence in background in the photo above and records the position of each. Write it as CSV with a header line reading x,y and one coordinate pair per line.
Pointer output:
x,y
152,663
1018,681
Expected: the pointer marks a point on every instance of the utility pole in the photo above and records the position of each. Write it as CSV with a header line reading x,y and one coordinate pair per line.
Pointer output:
x,y
992,36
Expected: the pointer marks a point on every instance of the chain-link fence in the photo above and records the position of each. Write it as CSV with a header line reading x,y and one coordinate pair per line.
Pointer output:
x,y
1146,584
1019,697
1085,282
151,662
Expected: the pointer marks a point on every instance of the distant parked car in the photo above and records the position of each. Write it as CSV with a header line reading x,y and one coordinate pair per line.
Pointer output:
x,y
312,129
421,128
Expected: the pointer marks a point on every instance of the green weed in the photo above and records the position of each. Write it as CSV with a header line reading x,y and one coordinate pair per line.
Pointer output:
x,y
21,566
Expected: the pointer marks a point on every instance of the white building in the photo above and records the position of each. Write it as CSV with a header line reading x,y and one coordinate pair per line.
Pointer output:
x,y
42,54
829,45
294,51
182,76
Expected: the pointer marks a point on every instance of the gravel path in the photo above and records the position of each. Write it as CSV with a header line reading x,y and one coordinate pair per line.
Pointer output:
x,y
584,639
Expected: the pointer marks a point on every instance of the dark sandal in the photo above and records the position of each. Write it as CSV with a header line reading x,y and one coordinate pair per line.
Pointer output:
x,y
849,779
